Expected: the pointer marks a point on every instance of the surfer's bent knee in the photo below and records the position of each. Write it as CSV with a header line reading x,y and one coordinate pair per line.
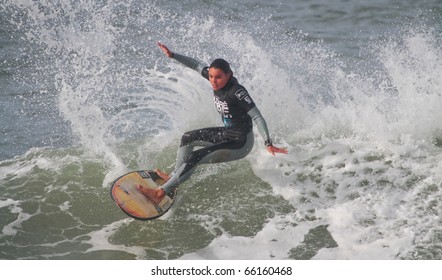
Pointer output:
x,y
186,139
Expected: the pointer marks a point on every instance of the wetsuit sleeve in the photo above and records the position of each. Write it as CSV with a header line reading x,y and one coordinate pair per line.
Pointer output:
x,y
260,122
190,62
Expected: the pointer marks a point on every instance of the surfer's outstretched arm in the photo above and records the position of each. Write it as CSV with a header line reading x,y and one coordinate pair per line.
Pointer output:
x,y
187,61
260,122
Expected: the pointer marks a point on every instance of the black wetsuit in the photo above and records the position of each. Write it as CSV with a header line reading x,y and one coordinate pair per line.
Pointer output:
x,y
219,144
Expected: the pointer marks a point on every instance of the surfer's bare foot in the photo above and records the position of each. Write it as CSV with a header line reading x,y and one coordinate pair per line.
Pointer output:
x,y
155,195
162,175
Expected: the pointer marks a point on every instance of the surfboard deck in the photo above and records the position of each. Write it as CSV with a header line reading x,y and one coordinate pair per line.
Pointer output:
x,y
126,195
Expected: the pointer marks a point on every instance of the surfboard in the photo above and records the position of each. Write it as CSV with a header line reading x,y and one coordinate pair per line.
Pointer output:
x,y
126,195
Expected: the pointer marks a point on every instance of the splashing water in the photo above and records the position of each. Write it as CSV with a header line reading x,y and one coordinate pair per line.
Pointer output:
x,y
362,180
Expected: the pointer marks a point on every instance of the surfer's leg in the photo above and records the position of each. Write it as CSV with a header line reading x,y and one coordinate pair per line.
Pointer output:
x,y
186,159
229,151
200,137
182,155
217,148
216,153
178,176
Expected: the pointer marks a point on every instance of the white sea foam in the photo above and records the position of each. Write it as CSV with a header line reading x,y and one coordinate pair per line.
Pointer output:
x,y
364,138
99,240
14,208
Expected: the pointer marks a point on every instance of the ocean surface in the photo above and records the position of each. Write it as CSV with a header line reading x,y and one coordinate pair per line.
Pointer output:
x,y
351,88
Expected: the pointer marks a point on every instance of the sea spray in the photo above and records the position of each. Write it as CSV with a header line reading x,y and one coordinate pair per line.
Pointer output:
x,y
362,179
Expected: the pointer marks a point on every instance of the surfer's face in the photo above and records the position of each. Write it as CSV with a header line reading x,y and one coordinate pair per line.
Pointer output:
x,y
218,79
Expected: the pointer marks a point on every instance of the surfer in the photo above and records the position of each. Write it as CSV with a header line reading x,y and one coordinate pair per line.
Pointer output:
x,y
219,144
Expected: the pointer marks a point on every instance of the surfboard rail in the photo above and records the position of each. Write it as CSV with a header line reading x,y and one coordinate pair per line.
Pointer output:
x,y
132,202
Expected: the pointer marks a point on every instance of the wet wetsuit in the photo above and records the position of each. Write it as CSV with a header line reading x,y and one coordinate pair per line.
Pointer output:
x,y
219,144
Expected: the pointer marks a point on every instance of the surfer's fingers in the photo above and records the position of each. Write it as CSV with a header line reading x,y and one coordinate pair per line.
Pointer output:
x,y
272,149
165,49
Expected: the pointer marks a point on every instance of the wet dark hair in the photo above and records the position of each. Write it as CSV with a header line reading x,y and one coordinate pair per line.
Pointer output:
x,y
220,63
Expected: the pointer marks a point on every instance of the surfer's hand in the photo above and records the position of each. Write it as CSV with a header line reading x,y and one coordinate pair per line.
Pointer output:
x,y
272,149
166,51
